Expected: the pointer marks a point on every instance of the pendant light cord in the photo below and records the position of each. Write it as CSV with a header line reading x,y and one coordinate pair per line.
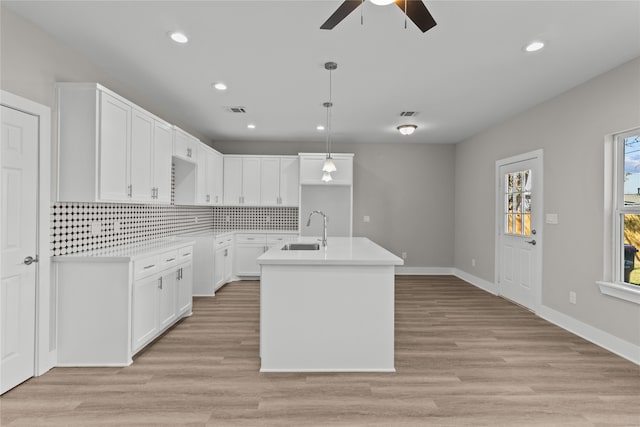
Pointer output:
x,y
329,114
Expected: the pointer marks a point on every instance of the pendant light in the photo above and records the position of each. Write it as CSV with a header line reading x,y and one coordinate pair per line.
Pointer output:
x,y
329,165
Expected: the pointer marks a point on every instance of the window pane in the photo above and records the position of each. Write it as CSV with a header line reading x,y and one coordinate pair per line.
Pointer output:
x,y
631,259
632,170
517,203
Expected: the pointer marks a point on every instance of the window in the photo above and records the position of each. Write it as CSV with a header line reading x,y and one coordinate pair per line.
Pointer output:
x,y
623,275
517,203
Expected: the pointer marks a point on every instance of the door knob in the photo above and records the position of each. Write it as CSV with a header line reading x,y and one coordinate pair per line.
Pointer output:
x,y
531,242
30,260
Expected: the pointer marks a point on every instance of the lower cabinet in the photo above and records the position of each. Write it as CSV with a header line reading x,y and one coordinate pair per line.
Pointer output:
x,y
111,306
249,246
223,265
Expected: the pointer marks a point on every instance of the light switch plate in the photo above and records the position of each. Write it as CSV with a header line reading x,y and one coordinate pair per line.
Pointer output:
x,y
116,226
96,228
366,218
551,218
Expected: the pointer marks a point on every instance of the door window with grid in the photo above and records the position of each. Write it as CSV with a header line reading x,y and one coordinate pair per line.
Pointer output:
x,y
517,203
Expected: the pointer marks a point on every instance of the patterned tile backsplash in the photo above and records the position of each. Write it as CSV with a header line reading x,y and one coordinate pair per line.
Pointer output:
x,y
78,227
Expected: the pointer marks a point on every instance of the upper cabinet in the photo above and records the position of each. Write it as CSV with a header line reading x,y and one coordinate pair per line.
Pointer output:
x,y
185,146
209,176
311,169
279,181
241,180
261,180
109,150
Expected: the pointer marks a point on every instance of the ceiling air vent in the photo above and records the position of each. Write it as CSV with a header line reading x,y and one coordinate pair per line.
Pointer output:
x,y
408,114
235,109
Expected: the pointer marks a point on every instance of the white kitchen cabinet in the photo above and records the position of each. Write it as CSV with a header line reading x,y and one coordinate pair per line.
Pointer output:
x,y
106,148
185,146
209,268
151,146
209,176
223,260
311,169
241,180
113,302
279,181
249,246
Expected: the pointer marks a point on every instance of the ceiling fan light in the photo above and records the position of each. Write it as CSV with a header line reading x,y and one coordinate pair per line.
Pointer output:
x,y
326,177
382,2
329,165
406,129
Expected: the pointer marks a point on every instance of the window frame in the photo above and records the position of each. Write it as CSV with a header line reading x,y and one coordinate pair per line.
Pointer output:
x,y
614,284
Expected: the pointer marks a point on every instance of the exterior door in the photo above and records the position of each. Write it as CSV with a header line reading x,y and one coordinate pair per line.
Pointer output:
x,y
19,209
519,233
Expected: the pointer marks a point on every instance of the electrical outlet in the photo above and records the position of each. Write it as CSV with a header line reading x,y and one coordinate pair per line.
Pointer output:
x,y
116,226
473,262
96,228
196,219
227,218
404,255
366,218
572,297
267,218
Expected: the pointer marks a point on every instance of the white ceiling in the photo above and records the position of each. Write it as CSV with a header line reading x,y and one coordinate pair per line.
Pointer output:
x,y
462,76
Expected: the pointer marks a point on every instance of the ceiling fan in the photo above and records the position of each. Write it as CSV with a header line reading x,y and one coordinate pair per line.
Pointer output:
x,y
414,9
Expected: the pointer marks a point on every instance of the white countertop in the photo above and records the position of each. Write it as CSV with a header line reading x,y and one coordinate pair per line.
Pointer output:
x,y
339,251
129,252
216,233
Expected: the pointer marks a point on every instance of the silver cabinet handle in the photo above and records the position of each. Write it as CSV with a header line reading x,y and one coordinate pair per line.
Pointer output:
x,y
146,267
160,284
30,260
188,152
129,190
531,242
169,260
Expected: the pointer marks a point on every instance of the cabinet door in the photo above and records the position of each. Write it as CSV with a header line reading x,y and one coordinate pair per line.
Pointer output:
x,y
184,277
246,259
289,181
145,311
201,176
167,298
232,180
184,145
228,264
141,157
217,177
219,267
209,184
115,137
269,181
251,181
162,161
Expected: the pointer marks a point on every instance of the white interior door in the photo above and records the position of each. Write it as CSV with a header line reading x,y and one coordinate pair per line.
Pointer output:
x,y
519,249
18,243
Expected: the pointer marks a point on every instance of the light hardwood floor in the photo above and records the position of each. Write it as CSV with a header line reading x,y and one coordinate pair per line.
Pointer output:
x,y
463,358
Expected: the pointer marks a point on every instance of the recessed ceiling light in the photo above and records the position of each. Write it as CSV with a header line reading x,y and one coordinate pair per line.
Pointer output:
x,y
251,126
178,37
219,86
534,46
320,127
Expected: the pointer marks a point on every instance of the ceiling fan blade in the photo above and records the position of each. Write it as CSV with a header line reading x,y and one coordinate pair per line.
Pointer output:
x,y
418,13
345,9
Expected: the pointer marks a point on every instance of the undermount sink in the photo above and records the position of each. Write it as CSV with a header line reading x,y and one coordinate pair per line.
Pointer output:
x,y
301,247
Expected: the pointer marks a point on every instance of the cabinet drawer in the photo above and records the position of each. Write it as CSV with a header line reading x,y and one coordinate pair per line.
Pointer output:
x,y
185,253
146,266
222,241
276,239
251,239
167,259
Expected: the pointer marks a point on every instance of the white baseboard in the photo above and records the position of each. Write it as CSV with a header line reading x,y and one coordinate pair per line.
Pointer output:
x,y
424,271
485,285
603,339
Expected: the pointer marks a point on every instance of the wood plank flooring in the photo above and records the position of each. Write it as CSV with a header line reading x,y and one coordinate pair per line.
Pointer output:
x,y
463,358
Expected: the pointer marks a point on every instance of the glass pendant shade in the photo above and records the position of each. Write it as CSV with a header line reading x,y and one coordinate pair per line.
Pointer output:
x,y
329,165
382,2
326,177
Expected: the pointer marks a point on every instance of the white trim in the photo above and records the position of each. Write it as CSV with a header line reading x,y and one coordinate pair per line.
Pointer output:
x,y
424,271
623,291
536,156
325,370
45,358
601,338
485,285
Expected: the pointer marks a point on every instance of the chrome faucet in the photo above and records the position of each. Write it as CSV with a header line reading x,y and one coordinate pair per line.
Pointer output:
x,y
324,225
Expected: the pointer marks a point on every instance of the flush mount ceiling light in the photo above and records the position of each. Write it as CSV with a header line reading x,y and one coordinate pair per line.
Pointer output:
x,y
178,37
251,126
219,86
407,129
534,46
329,165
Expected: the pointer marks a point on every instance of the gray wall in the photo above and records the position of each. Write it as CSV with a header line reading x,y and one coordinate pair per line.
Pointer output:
x,y
571,129
406,189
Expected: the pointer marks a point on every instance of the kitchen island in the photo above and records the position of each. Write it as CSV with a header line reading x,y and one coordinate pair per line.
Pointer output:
x,y
328,310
